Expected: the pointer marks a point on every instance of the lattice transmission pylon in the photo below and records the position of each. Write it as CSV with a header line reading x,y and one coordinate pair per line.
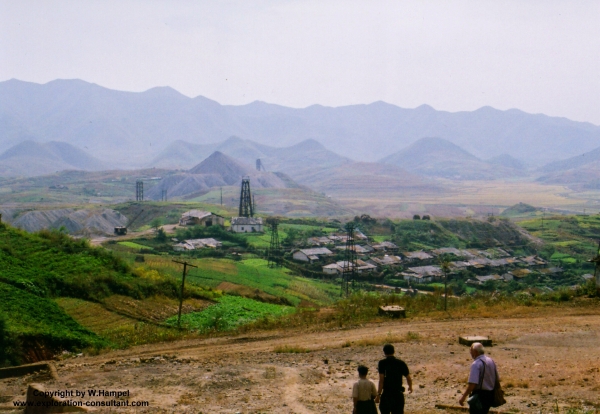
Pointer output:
x,y
139,190
246,202
349,268
274,252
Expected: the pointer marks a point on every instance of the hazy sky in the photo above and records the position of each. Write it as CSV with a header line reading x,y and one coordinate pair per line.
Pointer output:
x,y
538,56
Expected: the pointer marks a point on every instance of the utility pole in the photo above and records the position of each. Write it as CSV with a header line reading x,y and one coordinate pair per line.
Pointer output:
x,y
221,196
543,215
185,265
444,264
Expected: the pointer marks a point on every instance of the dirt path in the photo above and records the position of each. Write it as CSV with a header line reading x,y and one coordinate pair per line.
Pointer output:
x,y
544,360
98,240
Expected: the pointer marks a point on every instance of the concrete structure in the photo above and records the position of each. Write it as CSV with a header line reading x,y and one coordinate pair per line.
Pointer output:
x,y
311,255
247,225
393,310
470,340
201,218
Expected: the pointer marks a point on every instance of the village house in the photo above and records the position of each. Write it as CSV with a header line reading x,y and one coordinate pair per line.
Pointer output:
x,y
552,271
458,265
416,256
201,218
311,255
337,238
318,241
520,273
360,250
385,246
338,267
247,224
359,235
448,250
194,244
483,279
387,260
423,274
533,261
332,269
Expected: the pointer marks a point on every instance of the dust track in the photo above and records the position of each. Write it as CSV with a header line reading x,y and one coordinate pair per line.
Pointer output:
x,y
551,357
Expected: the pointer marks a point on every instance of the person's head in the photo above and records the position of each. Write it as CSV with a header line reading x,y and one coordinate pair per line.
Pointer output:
x,y
388,350
476,350
362,371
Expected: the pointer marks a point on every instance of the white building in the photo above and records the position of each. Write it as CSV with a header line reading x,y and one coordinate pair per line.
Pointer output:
x,y
247,224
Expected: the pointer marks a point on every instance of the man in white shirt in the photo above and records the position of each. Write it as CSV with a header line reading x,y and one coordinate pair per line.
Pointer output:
x,y
482,379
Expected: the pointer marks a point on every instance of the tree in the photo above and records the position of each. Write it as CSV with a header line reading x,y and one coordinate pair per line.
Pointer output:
x,y
416,217
155,224
161,235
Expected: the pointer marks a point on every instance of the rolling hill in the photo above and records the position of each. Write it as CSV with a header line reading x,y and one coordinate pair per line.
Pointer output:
x,y
30,158
131,128
218,170
440,158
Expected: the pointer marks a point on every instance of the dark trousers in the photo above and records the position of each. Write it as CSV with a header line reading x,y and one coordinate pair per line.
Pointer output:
x,y
392,403
366,407
486,398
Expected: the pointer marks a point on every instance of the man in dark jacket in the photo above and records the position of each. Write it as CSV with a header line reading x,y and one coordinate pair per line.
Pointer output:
x,y
390,391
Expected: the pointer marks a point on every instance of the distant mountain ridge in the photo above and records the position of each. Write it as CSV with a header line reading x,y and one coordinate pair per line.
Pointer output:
x,y
132,128
31,158
290,160
440,158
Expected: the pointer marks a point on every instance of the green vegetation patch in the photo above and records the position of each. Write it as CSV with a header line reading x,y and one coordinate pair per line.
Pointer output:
x,y
256,273
32,321
229,313
50,263
133,245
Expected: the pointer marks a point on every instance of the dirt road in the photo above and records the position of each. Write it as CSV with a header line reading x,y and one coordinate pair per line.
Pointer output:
x,y
98,240
545,361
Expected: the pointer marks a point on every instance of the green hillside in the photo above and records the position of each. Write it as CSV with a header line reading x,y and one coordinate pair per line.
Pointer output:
x,y
37,268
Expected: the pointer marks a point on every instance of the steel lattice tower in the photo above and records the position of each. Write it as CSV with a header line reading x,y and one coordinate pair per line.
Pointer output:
x,y
246,205
274,253
349,268
139,190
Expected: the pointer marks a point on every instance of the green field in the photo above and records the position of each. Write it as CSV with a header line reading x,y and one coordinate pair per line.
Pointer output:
x,y
229,313
253,273
133,245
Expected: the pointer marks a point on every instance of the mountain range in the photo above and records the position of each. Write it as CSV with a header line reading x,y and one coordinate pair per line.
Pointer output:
x,y
30,158
131,129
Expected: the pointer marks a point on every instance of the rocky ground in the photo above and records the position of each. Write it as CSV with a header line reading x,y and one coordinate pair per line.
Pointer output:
x,y
548,361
